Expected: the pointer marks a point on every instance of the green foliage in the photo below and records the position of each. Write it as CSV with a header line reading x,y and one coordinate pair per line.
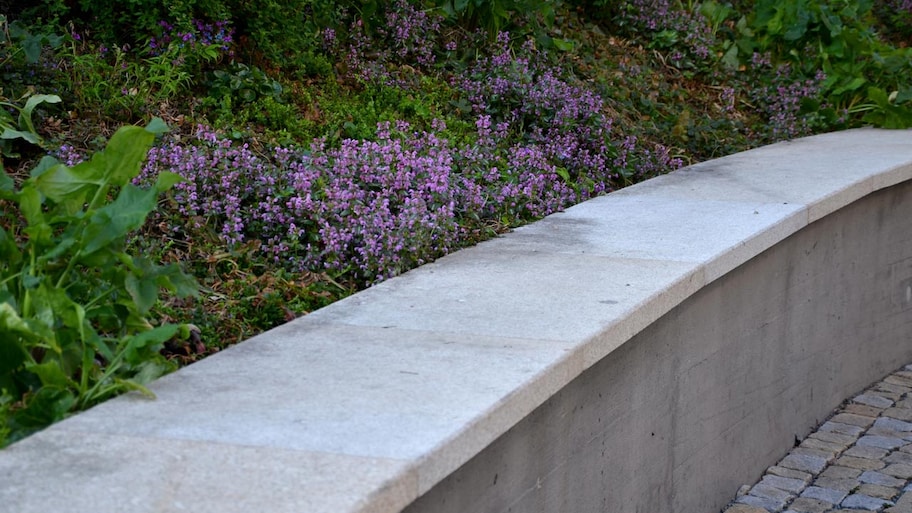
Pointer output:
x,y
132,22
115,83
243,83
21,127
497,15
73,303
286,35
866,79
16,41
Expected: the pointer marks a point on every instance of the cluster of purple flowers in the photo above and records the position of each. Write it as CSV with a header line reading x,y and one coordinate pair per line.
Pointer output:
x,y
218,34
408,36
220,181
533,109
781,99
691,28
371,208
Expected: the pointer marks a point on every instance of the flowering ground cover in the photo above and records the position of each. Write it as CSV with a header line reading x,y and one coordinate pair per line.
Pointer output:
x,y
302,150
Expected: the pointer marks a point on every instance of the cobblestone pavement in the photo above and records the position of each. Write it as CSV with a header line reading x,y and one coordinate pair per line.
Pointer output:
x,y
859,460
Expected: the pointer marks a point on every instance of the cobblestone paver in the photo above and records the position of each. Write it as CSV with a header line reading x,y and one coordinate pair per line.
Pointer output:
x,y
859,460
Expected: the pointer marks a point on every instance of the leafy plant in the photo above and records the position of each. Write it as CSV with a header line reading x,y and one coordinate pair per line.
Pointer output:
x,y
74,305
497,15
865,78
118,84
245,83
16,39
20,127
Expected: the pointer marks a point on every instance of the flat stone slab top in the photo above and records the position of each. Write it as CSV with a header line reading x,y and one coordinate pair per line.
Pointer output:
x,y
366,404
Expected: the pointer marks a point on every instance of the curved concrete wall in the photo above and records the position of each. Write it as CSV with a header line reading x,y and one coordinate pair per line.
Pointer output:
x,y
705,398
649,350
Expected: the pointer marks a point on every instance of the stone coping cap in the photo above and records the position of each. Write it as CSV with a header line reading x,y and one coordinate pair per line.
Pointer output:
x,y
368,403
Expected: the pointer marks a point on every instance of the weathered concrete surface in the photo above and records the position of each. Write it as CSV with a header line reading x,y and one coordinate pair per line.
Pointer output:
x,y
609,358
678,417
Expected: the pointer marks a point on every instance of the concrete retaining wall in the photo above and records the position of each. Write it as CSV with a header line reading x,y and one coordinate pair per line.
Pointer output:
x,y
646,351
702,400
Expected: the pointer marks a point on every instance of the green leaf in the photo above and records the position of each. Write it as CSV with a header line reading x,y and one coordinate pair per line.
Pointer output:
x,y
59,250
50,374
30,205
31,47
10,254
878,96
166,180
47,406
19,134
37,99
169,276
47,162
6,184
12,327
70,313
44,319
113,222
139,346
730,59
852,85
157,127
69,185
563,45
124,154
151,370
143,291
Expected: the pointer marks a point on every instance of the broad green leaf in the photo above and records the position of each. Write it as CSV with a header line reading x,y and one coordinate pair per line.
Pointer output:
x,y
730,59
56,252
30,206
852,85
563,45
878,96
157,127
180,283
47,406
6,119
7,185
124,154
31,47
140,345
10,254
904,95
67,311
144,292
46,162
49,373
44,318
68,185
25,114
19,134
151,370
114,221
169,276
37,99
14,334
166,180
